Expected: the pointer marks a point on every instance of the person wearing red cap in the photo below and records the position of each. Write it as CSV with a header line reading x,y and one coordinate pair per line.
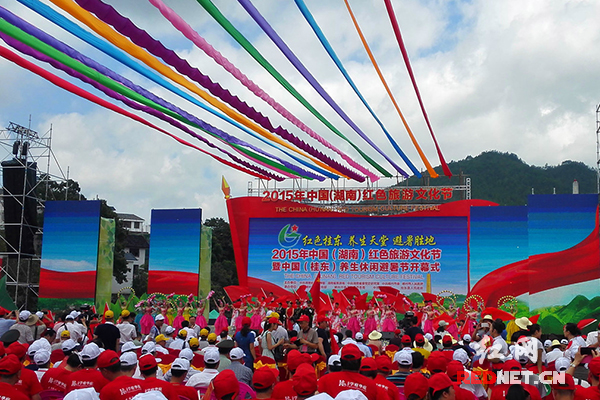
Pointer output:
x,y
349,377
307,337
454,367
28,382
441,388
121,385
89,376
420,345
58,378
416,386
263,381
447,349
500,391
268,344
10,372
566,390
305,381
437,363
226,386
592,392
245,340
148,367
406,341
368,368
285,389
384,368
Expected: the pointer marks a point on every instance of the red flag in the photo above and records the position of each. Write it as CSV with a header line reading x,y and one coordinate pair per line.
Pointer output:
x,y
361,302
106,308
301,292
338,297
326,304
429,297
390,290
350,292
315,293
237,292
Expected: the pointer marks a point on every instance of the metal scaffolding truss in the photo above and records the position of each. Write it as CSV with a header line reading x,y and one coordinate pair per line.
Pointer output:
x,y
25,149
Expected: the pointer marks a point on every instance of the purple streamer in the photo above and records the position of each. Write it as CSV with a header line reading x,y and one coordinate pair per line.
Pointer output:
x,y
23,48
260,20
64,48
141,38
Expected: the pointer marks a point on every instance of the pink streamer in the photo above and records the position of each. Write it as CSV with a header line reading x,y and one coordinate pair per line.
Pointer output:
x,y
199,41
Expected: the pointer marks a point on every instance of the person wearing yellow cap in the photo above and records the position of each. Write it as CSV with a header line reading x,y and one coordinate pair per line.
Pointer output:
x,y
127,329
202,342
212,343
64,335
179,343
107,332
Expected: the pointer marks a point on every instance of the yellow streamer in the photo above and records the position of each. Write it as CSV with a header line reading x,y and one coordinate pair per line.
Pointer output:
x,y
124,44
430,169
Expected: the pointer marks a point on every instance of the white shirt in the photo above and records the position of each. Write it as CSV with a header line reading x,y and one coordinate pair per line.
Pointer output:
x,y
128,333
177,344
500,345
554,355
190,333
40,372
76,330
202,380
574,345
475,388
592,339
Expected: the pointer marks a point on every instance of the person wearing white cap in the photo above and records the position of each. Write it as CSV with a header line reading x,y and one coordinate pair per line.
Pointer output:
x,y
363,347
211,365
179,371
242,373
129,362
78,331
25,334
42,361
82,394
477,389
38,327
334,363
562,364
89,376
158,327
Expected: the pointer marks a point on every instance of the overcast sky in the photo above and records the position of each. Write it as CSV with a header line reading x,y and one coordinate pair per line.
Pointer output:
x,y
513,76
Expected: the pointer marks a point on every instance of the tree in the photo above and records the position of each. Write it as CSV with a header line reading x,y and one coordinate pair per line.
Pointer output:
x,y
223,269
49,189
140,280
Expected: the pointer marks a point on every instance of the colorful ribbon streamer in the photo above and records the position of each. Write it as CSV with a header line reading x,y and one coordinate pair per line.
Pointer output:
x,y
224,22
120,56
126,27
183,27
67,50
10,56
275,38
124,44
390,11
34,43
430,169
315,27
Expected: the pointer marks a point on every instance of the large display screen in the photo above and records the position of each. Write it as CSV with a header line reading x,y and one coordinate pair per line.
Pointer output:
x,y
366,253
70,250
175,251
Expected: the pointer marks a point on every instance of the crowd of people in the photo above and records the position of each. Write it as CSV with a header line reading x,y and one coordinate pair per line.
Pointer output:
x,y
290,355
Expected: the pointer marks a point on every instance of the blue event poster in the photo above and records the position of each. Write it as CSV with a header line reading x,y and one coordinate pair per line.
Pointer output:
x,y
362,252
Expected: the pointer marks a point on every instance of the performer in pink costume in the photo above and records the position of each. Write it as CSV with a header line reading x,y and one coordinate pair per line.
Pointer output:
x,y
200,320
147,320
256,318
221,321
370,323
428,316
388,324
179,318
353,322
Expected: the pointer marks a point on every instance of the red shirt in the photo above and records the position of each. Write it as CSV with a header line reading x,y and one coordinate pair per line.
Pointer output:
x,y
285,391
499,391
28,384
10,393
392,390
122,388
162,386
56,379
464,394
336,382
590,393
85,378
185,391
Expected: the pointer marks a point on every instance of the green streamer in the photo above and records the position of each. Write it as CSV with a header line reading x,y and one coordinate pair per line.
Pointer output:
x,y
91,73
237,35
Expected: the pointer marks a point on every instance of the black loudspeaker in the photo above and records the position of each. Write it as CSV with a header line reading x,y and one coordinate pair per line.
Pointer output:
x,y
18,181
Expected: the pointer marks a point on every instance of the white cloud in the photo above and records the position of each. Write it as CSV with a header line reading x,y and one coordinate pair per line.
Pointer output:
x,y
510,76
67,265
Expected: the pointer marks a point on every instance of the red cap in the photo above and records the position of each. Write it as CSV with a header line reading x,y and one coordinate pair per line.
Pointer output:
x,y
322,318
594,366
246,321
568,385
439,382
368,364
303,318
264,377
351,352
17,349
511,365
384,364
108,358
305,380
147,362
454,367
419,338
406,339
295,359
416,383
225,383
2,350
437,363
273,320
447,339
10,365
315,358
397,331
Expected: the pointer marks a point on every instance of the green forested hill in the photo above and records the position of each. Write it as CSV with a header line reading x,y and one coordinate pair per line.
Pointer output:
x,y
505,179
